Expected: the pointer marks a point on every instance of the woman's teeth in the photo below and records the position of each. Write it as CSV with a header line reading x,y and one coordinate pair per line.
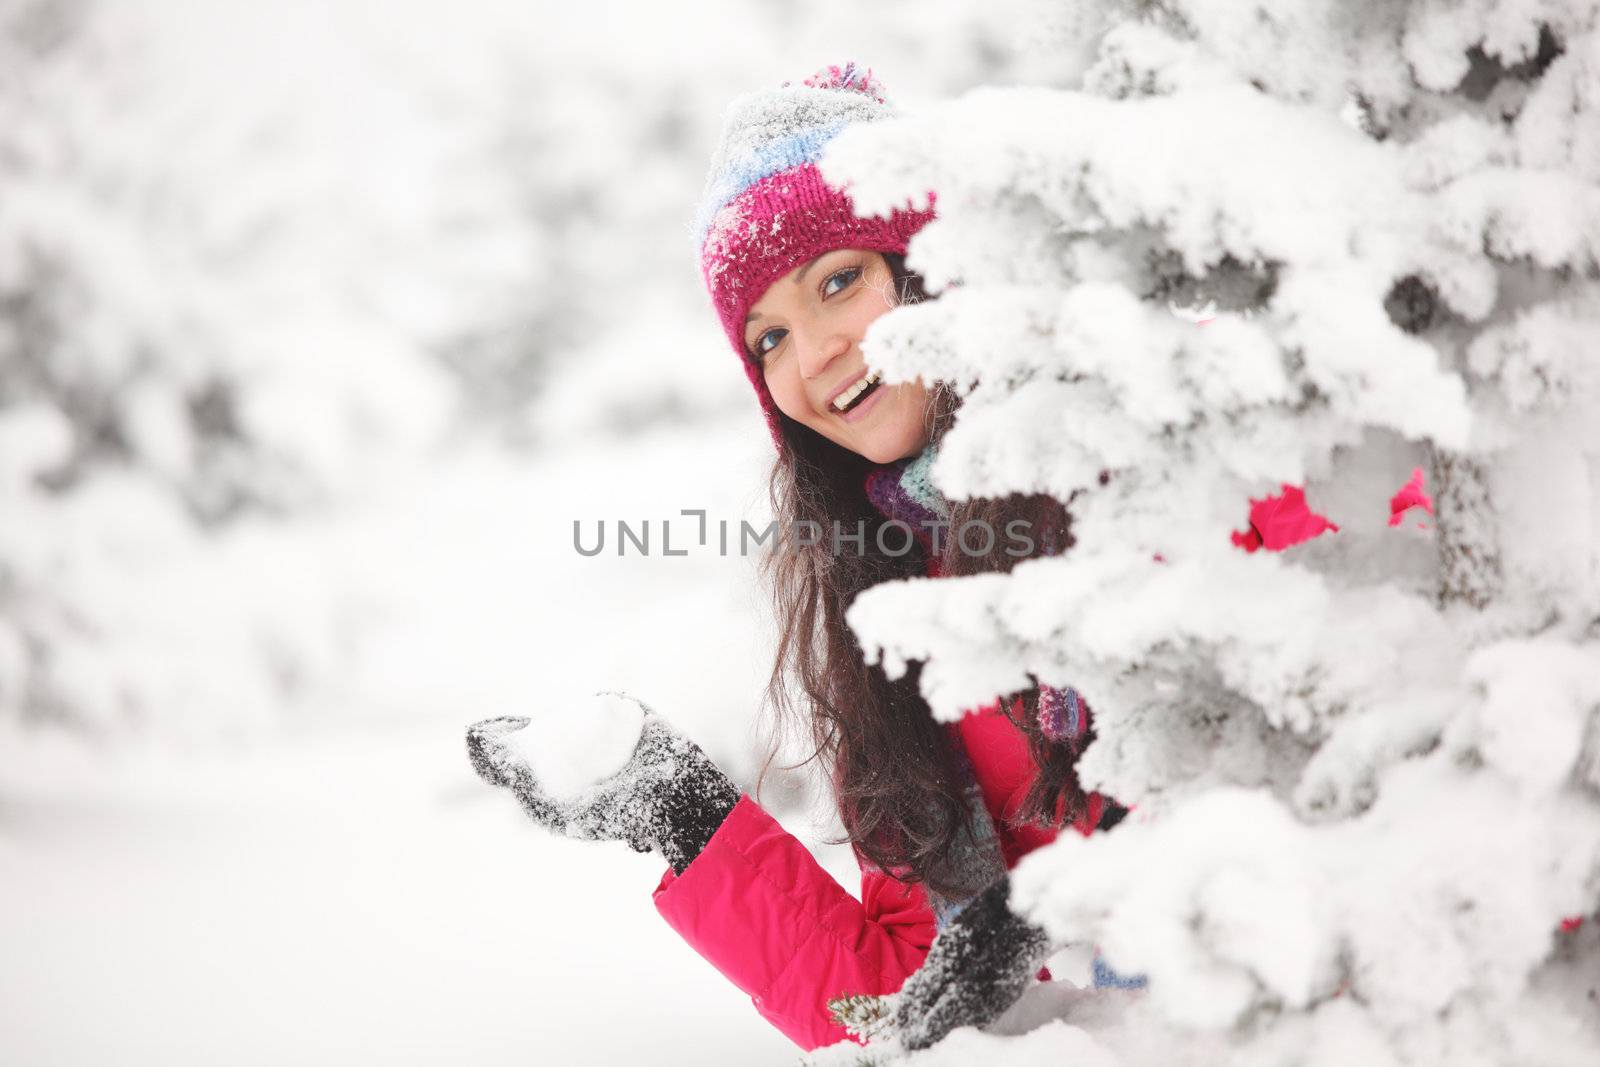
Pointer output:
x,y
842,402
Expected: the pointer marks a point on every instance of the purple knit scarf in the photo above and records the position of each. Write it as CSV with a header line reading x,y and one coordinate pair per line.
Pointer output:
x,y
904,491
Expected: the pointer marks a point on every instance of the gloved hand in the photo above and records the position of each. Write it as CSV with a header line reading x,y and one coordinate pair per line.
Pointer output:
x,y
979,966
668,796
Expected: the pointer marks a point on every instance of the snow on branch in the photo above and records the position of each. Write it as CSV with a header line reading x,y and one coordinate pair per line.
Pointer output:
x,y
1343,249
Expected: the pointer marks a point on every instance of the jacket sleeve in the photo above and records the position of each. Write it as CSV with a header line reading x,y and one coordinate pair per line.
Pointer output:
x,y
758,906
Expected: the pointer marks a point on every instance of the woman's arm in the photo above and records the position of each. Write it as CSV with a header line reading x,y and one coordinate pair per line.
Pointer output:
x,y
758,906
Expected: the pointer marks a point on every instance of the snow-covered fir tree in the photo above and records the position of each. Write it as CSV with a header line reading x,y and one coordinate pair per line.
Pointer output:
x,y
1364,770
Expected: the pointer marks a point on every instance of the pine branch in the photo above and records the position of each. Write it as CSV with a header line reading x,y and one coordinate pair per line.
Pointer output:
x,y
863,1016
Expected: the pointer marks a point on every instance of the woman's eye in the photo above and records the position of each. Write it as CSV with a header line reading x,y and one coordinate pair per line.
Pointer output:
x,y
767,342
845,278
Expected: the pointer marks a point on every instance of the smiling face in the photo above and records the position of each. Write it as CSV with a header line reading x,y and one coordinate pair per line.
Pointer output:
x,y
805,333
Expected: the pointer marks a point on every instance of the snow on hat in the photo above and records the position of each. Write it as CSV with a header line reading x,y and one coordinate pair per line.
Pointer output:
x,y
766,210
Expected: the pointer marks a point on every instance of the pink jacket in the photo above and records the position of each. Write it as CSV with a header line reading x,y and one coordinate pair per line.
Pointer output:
x,y
759,907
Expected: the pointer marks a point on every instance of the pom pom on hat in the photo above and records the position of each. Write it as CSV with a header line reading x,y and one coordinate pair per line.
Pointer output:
x,y
850,78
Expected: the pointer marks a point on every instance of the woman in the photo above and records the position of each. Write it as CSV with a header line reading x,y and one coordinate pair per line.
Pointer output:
x,y
936,814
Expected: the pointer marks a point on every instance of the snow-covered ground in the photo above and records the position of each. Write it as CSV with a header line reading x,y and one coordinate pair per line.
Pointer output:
x,y
348,890
353,898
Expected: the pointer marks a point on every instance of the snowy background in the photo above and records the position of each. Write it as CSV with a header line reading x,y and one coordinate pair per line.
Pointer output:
x,y
320,323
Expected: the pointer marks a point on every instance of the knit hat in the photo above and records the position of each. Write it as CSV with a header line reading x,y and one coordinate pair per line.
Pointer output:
x,y
766,210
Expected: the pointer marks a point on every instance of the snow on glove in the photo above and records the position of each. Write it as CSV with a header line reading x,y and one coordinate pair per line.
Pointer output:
x,y
979,966
666,796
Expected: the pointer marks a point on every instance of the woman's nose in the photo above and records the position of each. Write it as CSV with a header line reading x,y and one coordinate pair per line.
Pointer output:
x,y
815,356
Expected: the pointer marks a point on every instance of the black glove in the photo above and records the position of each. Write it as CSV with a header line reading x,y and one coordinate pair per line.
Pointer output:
x,y
669,796
979,965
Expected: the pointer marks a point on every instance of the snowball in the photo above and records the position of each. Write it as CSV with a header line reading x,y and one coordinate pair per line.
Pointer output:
x,y
576,745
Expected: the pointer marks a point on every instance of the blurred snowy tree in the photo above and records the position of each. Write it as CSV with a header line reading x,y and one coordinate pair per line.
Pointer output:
x,y
259,263
1366,770
230,258
183,351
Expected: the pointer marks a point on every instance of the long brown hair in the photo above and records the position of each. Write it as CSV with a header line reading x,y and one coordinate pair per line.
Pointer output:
x,y
900,798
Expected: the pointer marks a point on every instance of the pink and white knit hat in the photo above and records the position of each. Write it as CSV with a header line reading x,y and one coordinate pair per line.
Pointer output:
x,y
766,210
